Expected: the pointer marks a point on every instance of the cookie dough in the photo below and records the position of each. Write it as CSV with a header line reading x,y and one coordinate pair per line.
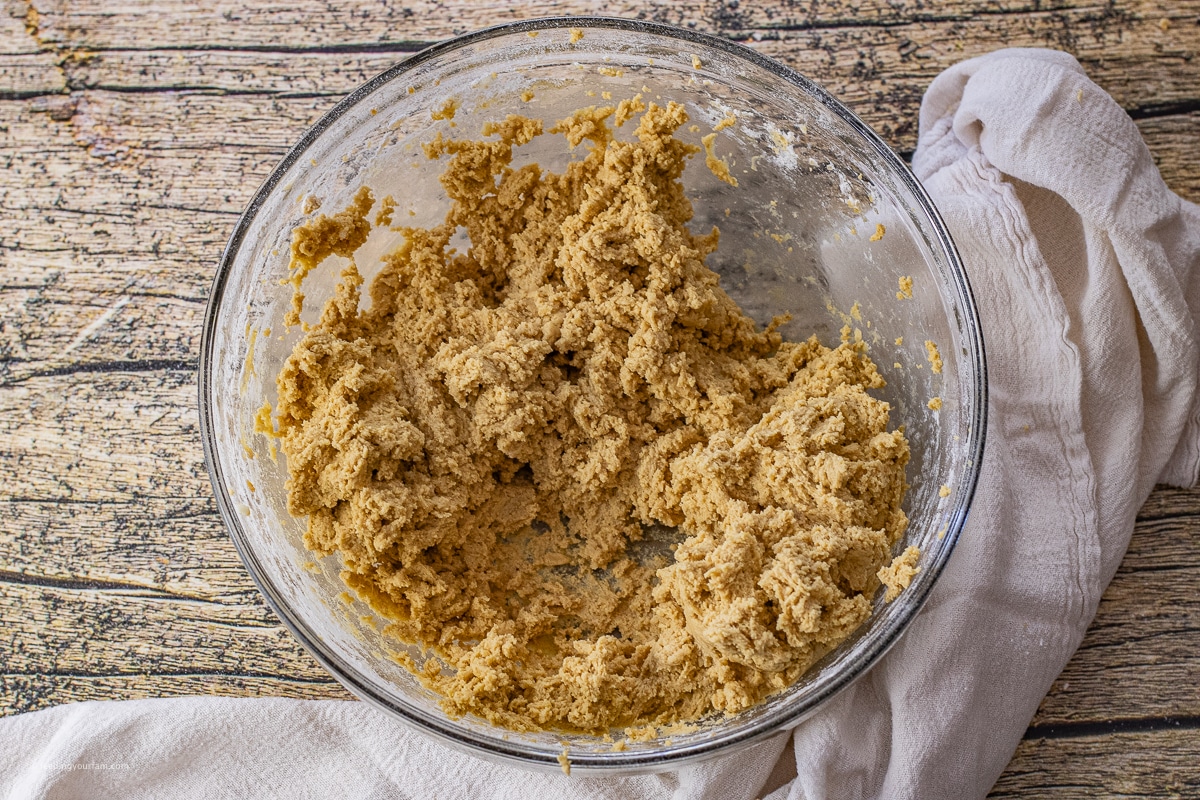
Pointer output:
x,y
565,463
899,574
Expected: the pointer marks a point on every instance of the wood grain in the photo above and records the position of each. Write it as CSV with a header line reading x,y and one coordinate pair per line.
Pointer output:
x,y
1173,140
877,56
94,629
1138,658
28,692
1161,764
132,136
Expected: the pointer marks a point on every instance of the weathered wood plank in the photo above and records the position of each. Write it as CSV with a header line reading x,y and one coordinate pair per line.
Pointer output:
x,y
134,630
1175,141
878,60
85,174
110,435
311,24
1168,502
113,247
237,71
882,76
1162,763
1139,657
168,546
30,692
61,327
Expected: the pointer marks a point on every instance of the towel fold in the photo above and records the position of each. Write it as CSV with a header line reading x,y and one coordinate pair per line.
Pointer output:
x,y
1085,269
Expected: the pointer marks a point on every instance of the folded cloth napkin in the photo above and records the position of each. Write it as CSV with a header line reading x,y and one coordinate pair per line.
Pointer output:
x,y
1086,270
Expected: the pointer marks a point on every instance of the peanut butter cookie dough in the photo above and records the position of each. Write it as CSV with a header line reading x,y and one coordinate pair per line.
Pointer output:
x,y
488,442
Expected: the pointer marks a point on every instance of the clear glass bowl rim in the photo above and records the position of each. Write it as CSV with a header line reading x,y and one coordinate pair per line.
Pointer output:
x,y
671,756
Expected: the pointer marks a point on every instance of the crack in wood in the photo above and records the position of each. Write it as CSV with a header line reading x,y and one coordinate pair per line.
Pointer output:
x,y
398,46
147,365
168,674
1079,730
125,588
1158,110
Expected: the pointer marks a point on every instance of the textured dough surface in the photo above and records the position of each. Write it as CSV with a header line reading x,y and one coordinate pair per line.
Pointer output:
x,y
487,441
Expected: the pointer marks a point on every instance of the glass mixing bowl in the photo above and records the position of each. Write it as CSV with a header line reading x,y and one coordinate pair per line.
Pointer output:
x,y
800,234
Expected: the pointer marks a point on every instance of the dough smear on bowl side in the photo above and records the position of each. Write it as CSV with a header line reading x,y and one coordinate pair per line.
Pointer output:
x,y
487,442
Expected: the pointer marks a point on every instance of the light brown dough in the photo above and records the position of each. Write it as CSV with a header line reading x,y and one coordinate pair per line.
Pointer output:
x,y
899,574
487,442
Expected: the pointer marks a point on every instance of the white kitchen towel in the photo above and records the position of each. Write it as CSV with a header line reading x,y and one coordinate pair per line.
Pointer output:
x,y
1085,269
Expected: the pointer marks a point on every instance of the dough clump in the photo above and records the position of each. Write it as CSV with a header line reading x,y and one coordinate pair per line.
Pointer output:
x,y
506,445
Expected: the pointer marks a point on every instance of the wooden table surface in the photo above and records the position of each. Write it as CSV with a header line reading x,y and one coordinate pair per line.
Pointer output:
x,y
132,135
